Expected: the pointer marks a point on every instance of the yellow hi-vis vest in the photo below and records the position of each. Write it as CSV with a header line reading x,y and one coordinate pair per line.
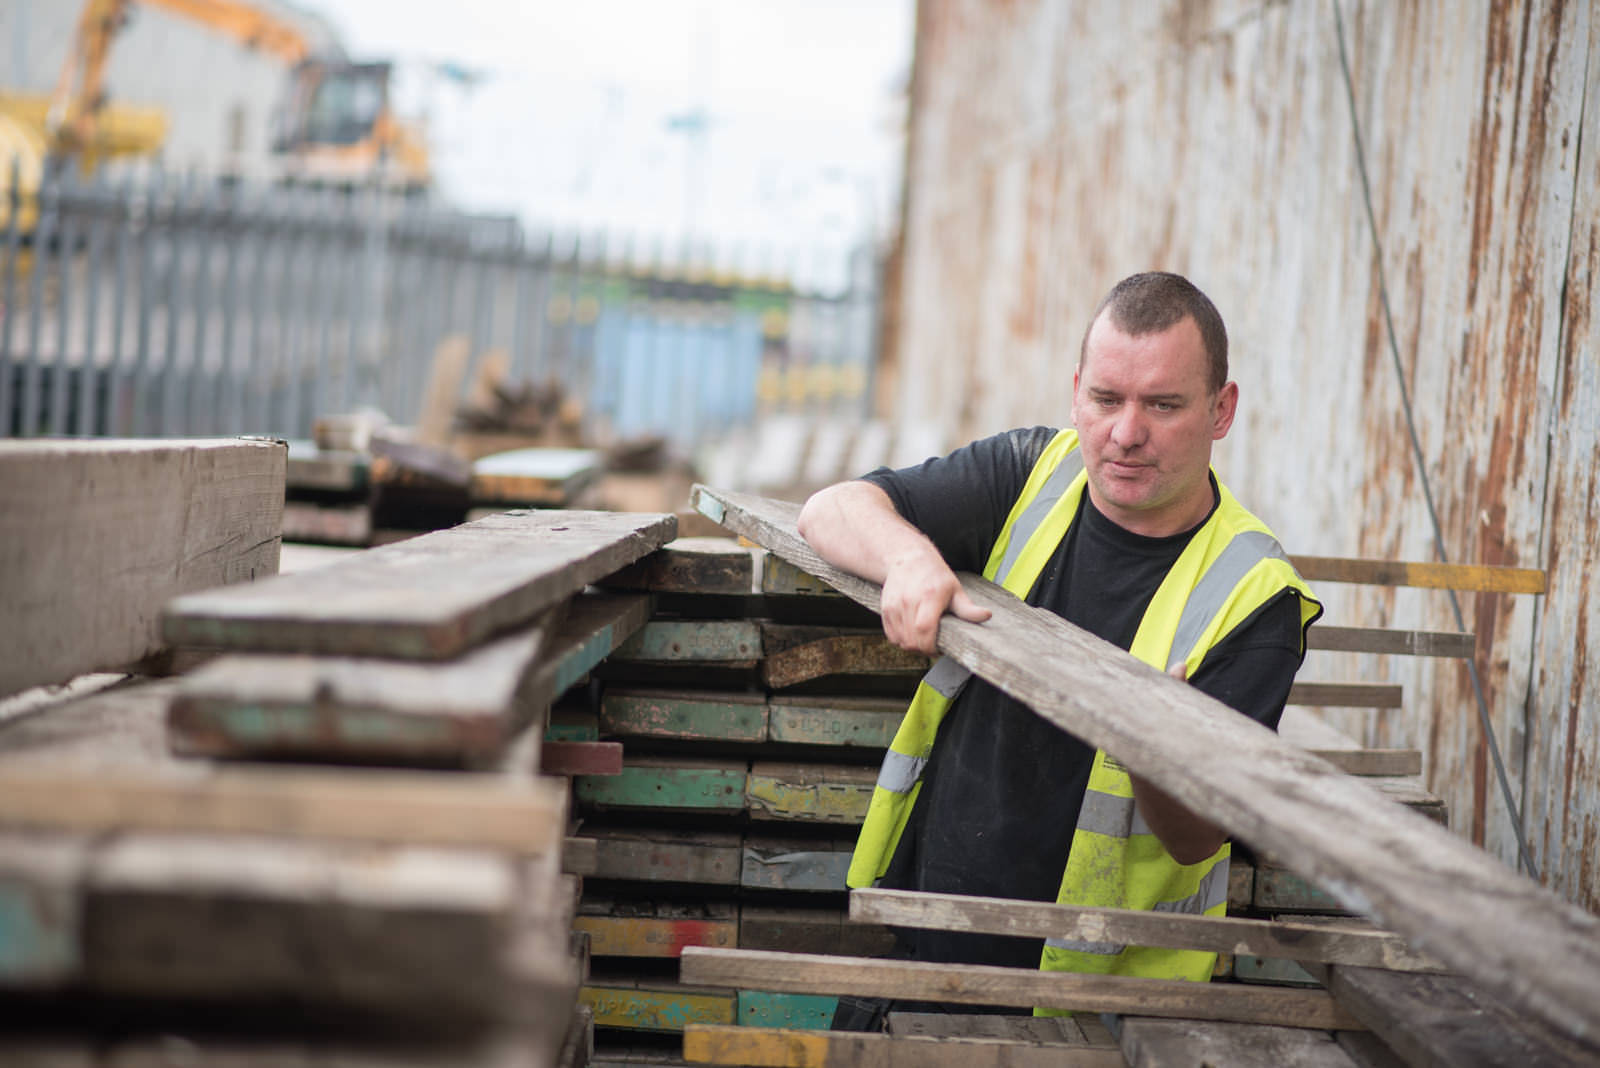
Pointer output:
x,y
1231,568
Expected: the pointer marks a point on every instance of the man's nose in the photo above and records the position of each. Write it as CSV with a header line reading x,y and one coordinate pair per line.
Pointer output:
x,y
1128,430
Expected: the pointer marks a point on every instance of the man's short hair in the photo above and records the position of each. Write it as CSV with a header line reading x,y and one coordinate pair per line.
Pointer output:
x,y
1154,301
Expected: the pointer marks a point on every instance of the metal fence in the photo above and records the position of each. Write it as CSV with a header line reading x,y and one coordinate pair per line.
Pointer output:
x,y
163,305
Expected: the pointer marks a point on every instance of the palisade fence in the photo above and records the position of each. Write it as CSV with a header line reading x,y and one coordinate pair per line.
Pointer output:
x,y
166,305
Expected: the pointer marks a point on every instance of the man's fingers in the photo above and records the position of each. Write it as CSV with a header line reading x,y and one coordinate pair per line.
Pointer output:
x,y
967,608
1179,671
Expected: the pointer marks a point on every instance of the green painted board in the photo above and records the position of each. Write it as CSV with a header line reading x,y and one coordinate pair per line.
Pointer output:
x,y
855,721
760,1008
813,793
572,725
716,640
1271,971
1283,890
659,782
705,715
656,1007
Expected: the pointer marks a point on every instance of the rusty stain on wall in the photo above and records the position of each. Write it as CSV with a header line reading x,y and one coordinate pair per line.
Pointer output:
x,y
1057,146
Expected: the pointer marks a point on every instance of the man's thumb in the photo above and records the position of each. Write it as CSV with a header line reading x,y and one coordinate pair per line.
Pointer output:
x,y
964,607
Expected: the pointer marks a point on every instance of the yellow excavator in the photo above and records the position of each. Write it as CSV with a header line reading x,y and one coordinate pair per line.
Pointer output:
x,y
337,127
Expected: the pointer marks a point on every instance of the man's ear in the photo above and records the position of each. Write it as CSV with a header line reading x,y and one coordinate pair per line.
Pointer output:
x,y
1227,404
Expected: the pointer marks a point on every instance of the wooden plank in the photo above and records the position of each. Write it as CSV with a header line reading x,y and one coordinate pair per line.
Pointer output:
x,y
814,793
572,725
709,858
803,1048
703,565
762,1008
96,535
655,929
1448,1021
1398,642
796,930
460,712
796,654
868,722
351,804
647,1006
805,864
985,985
1030,1030
327,524
580,758
1346,695
780,576
1277,889
734,640
1405,873
700,715
1169,1043
427,598
536,476
1271,971
579,856
668,783
1384,762
1220,934
1477,578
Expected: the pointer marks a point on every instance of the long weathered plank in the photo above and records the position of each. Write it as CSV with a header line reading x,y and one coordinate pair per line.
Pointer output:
x,y
1403,872
1219,934
1376,762
795,654
792,930
813,793
704,857
679,714
1477,578
646,1005
463,711
869,722
427,598
984,985
1347,694
678,783
655,929
670,640
1397,642
796,863
96,535
763,1008
691,565
415,808
1447,1021
797,1048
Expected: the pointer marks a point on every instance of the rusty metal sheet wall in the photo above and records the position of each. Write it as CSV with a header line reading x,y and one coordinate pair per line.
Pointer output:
x,y
1057,146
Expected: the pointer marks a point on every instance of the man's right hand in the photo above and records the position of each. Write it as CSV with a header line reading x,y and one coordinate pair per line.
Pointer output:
x,y
917,590
854,526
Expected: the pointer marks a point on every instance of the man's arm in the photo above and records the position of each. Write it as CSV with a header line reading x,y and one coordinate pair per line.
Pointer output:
x,y
854,526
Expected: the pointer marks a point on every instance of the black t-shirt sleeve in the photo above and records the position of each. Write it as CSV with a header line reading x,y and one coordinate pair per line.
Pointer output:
x,y
1252,668
961,501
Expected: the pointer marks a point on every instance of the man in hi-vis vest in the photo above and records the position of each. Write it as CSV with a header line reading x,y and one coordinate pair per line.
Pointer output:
x,y
1120,526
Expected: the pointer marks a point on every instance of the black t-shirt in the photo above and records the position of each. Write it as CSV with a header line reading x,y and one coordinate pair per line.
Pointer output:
x,y
1002,789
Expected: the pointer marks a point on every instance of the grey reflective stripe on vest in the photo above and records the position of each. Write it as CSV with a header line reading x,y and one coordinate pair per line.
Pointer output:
x,y
1212,891
900,772
1110,815
1033,516
947,678
1243,552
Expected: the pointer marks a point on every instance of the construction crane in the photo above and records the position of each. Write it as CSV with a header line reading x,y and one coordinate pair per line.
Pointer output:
x,y
338,125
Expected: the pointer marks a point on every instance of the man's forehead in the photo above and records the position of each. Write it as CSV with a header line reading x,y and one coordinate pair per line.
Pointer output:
x,y
1175,354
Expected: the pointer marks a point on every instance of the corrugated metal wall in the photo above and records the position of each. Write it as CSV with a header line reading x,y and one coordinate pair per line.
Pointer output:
x,y
1057,146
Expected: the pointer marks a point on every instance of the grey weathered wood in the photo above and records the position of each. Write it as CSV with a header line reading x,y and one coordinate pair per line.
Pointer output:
x,y
692,565
1399,642
462,711
1347,694
1191,1043
1034,1030
1403,872
1219,934
96,535
797,930
1375,762
703,857
418,808
796,863
427,598
1448,1021
984,985
785,1048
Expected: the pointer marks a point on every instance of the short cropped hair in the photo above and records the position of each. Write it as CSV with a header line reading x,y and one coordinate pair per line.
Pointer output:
x,y
1154,301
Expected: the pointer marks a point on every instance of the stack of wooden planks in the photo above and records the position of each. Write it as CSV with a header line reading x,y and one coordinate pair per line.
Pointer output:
x,y
164,873
754,708
1470,983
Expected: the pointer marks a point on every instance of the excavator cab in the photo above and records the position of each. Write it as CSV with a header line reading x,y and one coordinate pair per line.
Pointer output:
x,y
337,126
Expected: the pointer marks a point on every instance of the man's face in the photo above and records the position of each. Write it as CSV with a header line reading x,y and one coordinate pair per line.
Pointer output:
x,y
1146,421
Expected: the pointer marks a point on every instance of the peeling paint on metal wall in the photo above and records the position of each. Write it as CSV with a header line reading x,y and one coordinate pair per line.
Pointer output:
x,y
1061,145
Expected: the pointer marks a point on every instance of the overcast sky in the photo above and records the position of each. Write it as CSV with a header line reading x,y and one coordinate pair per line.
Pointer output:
x,y
574,121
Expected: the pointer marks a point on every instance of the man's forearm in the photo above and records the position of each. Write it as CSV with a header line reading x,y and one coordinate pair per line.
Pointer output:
x,y
854,526
1188,837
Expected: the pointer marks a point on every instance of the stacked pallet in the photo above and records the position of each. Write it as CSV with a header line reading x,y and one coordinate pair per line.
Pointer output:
x,y
265,911
754,709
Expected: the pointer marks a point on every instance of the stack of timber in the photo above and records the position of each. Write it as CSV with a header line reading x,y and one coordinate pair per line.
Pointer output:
x,y
754,708
267,912
1457,968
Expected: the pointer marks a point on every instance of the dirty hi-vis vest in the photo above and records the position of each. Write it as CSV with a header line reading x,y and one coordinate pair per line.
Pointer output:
x,y
1231,568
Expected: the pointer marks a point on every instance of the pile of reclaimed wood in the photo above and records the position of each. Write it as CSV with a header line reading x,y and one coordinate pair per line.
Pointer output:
x,y
176,892
1457,970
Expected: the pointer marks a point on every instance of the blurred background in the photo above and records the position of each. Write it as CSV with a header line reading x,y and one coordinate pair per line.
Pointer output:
x,y
666,218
